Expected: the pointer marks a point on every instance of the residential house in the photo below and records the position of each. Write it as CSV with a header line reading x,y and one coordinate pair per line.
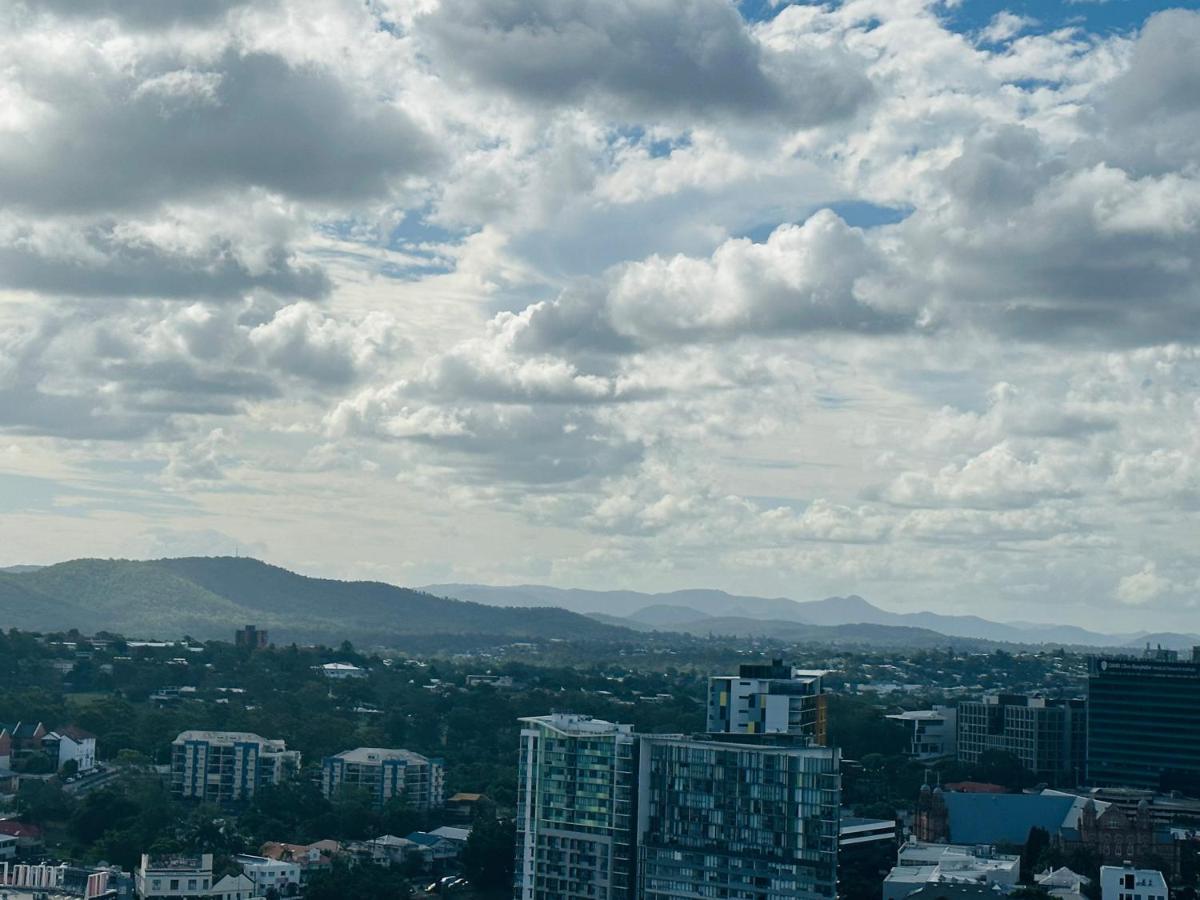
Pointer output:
x,y
19,740
71,744
234,887
311,858
440,850
463,805
28,835
389,850
267,873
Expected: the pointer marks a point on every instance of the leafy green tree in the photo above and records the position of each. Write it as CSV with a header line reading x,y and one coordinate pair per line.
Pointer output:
x,y
1036,845
490,854
363,882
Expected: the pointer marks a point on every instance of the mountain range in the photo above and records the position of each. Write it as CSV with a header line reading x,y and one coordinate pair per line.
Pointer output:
x,y
705,611
209,597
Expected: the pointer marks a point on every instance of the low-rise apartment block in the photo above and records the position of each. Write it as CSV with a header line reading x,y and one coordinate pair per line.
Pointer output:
x,y
227,766
386,774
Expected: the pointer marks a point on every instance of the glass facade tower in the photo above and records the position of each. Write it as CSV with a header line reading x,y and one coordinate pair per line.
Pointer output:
x,y
575,794
1144,724
739,818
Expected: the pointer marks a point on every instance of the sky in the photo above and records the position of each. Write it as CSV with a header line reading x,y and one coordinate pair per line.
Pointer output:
x,y
890,297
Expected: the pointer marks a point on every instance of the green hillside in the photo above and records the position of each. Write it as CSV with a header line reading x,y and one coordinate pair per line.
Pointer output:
x,y
207,597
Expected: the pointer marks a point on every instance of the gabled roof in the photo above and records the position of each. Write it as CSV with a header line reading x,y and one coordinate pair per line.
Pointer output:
x,y
234,883
425,839
20,829
450,833
75,733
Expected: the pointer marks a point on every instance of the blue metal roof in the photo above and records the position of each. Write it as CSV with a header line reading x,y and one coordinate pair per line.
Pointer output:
x,y
1004,818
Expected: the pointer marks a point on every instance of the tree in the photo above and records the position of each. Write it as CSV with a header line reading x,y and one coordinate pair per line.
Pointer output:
x,y
1035,846
362,882
1003,768
489,856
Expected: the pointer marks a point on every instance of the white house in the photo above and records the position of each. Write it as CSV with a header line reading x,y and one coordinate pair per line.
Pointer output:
x,y
387,849
234,887
1127,883
267,873
72,744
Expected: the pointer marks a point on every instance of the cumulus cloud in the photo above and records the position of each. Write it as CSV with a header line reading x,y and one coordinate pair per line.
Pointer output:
x,y
812,277
840,300
100,135
646,58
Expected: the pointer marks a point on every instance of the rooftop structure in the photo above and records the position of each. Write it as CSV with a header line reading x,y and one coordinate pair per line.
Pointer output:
x,y
920,864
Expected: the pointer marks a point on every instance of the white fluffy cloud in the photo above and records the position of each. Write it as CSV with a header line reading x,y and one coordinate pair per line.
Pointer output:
x,y
839,300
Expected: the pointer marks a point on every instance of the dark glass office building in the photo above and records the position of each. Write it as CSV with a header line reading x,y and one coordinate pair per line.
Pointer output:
x,y
1144,724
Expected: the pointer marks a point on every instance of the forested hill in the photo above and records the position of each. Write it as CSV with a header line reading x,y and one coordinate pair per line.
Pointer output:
x,y
208,597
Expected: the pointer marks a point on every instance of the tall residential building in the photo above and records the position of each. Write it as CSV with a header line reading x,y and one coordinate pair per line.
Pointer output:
x,y
575,796
1144,723
227,766
726,816
386,775
1047,736
768,699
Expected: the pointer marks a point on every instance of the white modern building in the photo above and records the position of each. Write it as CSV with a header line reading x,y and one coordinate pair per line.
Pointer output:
x,y
768,699
1127,883
175,875
919,864
932,731
227,766
266,873
386,774
340,671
